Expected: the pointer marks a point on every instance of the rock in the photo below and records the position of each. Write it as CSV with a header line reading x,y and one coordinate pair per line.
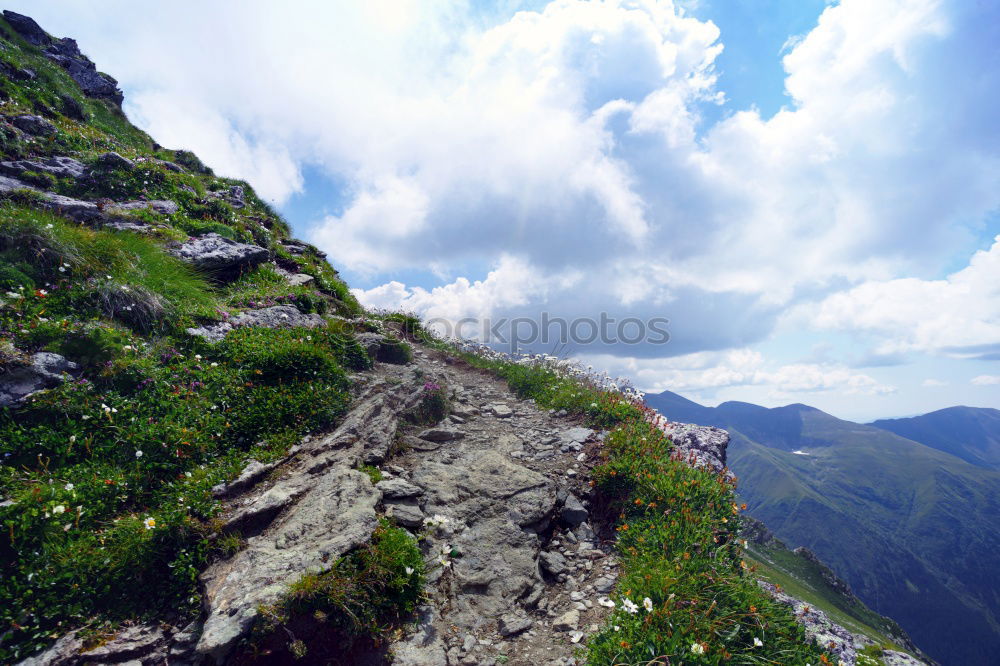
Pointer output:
x,y
66,650
250,475
27,28
573,512
512,624
220,255
406,514
568,621
701,446
500,410
72,108
59,167
81,211
113,160
161,206
837,640
604,584
441,434
170,166
423,647
276,316
894,658
294,279
35,125
67,54
552,562
45,371
236,196
398,489
335,514
142,641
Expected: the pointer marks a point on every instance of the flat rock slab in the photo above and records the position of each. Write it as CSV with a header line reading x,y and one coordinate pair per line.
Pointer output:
x,y
59,167
276,316
218,254
334,515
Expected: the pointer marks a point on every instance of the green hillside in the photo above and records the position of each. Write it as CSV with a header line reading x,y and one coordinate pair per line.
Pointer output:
x,y
913,530
970,433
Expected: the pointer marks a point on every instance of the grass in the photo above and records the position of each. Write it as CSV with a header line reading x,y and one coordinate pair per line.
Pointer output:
x,y
353,607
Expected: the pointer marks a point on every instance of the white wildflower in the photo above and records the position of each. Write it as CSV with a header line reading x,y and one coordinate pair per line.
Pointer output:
x,y
647,603
69,486
149,523
697,648
757,642
629,606
138,454
409,571
59,508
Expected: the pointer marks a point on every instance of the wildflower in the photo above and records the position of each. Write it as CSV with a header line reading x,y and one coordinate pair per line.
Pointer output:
x,y
757,642
68,486
149,523
409,571
697,648
647,603
215,365
138,454
72,439
187,474
62,269
629,606
197,357
48,226
57,509
617,628
127,348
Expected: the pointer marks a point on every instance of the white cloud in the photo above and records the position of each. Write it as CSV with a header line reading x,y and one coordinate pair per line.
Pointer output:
x,y
713,371
551,160
986,380
959,314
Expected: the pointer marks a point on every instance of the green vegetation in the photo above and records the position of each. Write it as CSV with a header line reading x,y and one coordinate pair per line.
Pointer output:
x,y
349,608
684,595
106,513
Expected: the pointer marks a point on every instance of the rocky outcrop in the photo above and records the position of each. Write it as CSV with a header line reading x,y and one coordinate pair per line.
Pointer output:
x,y
35,125
277,316
67,54
702,446
219,255
59,167
45,371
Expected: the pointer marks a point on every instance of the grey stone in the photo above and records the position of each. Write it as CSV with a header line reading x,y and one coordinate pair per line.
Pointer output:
x,y
45,371
95,84
162,206
398,489
35,125
59,167
604,584
568,621
276,316
500,410
144,641
701,446
170,166
27,28
64,651
512,624
424,646
552,562
113,160
895,658
250,475
215,253
441,434
406,514
81,211
573,512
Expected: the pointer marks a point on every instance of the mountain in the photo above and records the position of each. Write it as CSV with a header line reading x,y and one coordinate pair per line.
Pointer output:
x,y
969,433
912,529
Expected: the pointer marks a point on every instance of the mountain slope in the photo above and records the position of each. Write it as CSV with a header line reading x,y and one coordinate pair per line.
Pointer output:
x,y
912,529
969,433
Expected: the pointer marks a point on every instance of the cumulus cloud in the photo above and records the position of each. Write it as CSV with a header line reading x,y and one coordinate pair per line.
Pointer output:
x,y
712,371
986,380
557,161
958,315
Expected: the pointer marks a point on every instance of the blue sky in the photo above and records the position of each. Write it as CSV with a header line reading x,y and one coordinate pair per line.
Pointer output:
x,y
807,190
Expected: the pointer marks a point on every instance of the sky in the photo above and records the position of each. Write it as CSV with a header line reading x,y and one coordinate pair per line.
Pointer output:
x,y
808,191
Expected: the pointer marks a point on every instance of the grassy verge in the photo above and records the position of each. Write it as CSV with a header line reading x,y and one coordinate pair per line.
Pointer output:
x,y
684,595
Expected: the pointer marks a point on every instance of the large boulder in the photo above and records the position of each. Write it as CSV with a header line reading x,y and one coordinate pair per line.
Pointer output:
x,y
702,446
59,167
162,206
276,316
46,371
222,256
33,125
96,84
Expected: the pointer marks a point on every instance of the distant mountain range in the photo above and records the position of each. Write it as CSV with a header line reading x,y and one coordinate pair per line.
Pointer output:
x,y
907,511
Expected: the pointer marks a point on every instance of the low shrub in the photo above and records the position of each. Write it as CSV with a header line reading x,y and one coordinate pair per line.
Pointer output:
x,y
348,608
